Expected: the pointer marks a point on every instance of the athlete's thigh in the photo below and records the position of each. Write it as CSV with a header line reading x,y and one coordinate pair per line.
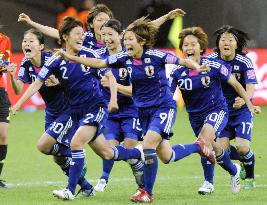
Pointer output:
x,y
46,142
101,147
83,135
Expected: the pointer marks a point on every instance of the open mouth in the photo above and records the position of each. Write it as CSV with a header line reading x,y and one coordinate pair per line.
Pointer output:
x,y
28,51
129,49
190,53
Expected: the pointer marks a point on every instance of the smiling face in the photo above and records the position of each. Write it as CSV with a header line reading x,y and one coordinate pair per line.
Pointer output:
x,y
74,40
191,48
133,47
227,46
111,38
98,22
31,46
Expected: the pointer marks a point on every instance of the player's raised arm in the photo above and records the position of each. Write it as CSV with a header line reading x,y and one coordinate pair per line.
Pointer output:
x,y
171,15
47,30
91,62
17,85
32,89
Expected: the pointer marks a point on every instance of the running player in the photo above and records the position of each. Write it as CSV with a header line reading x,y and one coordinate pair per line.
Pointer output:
x,y
204,100
85,103
230,43
152,96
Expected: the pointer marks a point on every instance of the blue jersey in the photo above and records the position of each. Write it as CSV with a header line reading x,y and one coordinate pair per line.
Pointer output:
x,y
81,83
202,92
53,96
148,77
125,103
91,42
242,68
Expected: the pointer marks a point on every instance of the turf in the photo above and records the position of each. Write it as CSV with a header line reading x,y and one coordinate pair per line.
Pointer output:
x,y
31,176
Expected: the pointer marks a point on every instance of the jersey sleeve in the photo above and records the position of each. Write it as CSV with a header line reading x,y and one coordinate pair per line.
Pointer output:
x,y
23,73
169,58
249,73
224,72
173,80
117,60
49,67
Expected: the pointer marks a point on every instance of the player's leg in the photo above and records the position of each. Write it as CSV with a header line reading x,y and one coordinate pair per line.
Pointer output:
x,y
243,141
4,125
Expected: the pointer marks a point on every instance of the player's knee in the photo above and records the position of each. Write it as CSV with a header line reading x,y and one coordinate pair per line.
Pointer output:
x,y
3,138
42,148
242,150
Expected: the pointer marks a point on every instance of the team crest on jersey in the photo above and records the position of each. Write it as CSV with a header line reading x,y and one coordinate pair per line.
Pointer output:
x,y
85,69
30,69
205,81
149,70
123,73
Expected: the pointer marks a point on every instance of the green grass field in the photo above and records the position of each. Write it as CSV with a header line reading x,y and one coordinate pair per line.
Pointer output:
x,y
32,176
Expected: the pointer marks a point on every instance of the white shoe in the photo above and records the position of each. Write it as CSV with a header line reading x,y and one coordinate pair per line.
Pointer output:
x,y
64,194
235,180
101,185
140,148
206,188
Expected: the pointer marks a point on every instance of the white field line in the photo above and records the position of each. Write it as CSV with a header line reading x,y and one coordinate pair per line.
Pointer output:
x,y
118,180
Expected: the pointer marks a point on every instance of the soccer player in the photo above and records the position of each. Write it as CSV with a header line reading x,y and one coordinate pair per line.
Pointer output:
x,y
85,104
98,16
5,54
122,125
204,100
152,96
230,43
59,128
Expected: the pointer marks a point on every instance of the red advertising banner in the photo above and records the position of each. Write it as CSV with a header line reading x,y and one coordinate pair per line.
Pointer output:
x,y
257,56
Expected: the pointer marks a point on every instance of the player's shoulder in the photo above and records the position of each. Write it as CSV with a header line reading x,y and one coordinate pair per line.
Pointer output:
x,y
155,53
213,55
178,69
89,52
213,62
244,59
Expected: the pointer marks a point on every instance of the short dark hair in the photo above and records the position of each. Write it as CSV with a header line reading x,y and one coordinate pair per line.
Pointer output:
x,y
241,37
37,33
67,25
114,24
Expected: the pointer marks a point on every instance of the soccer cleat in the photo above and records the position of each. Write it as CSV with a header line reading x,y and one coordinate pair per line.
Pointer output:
x,y
141,196
64,194
242,172
2,184
235,180
206,188
140,148
205,151
86,192
101,185
249,184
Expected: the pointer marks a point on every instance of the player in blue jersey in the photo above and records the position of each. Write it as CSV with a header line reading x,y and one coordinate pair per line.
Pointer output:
x,y
58,127
204,100
86,106
122,125
98,16
152,96
230,43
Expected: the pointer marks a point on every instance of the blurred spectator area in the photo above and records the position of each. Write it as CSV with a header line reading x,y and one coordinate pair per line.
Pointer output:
x,y
247,15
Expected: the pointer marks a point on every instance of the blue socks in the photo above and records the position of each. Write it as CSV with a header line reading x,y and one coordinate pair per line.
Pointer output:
x,y
107,167
60,150
182,150
76,166
249,162
208,169
122,153
225,162
150,169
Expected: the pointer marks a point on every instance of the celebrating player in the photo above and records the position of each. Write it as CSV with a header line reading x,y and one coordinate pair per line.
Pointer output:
x,y
230,43
204,100
152,96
